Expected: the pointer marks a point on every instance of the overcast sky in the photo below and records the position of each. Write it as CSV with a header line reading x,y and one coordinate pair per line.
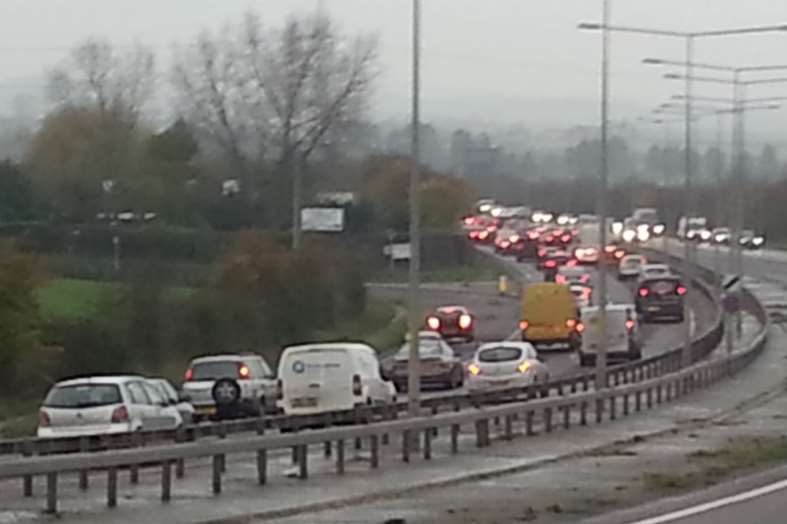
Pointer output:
x,y
502,61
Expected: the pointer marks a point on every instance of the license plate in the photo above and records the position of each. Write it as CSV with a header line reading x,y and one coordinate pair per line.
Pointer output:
x,y
205,410
654,308
307,402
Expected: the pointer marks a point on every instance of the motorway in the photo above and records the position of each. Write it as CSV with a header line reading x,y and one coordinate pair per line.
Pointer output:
x,y
497,320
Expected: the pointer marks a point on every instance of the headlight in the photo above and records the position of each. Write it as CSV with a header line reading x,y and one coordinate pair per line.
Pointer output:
x,y
659,229
705,235
643,235
629,235
547,217
617,228
496,212
758,241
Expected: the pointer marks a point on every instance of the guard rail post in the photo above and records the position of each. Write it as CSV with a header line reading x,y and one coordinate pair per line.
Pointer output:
x,y
216,470
112,487
303,461
133,470
262,466
374,450
428,444
51,493
166,480
27,480
340,457
84,445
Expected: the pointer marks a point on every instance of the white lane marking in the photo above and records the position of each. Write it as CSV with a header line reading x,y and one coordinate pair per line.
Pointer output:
x,y
716,504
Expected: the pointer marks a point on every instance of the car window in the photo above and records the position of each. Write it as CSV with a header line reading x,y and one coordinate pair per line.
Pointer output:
x,y
83,396
167,391
214,370
137,393
499,354
154,394
259,368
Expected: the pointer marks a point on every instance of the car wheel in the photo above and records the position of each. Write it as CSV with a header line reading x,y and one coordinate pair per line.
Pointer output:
x,y
226,394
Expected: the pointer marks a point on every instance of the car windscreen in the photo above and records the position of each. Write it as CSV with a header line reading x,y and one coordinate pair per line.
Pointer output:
x,y
427,348
214,370
83,396
499,354
662,287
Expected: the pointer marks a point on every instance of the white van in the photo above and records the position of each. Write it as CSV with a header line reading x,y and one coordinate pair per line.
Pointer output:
x,y
622,334
319,378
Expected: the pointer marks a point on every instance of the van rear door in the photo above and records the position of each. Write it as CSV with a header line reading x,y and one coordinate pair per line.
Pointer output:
x,y
617,332
318,379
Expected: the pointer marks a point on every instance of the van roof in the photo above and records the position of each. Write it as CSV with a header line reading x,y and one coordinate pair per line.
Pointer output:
x,y
346,346
106,379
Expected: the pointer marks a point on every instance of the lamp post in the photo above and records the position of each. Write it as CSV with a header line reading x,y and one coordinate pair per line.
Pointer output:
x,y
739,108
414,303
689,38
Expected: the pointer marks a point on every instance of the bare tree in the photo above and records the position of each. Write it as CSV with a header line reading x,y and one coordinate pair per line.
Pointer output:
x,y
96,77
277,92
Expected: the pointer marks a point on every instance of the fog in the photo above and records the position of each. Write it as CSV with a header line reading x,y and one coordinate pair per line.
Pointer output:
x,y
485,63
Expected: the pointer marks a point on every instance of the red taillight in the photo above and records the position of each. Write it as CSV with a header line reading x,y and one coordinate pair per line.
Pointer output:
x,y
575,232
244,372
571,263
357,387
630,324
566,238
465,321
469,220
542,252
550,238
532,235
680,290
571,323
43,418
560,279
433,323
279,390
483,235
523,325
550,263
609,249
620,254
580,327
584,279
643,292
120,414
472,235
188,375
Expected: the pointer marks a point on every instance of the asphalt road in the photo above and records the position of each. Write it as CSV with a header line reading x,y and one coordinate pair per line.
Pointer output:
x,y
766,505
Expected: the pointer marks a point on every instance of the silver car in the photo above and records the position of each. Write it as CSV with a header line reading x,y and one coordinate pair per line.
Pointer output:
x,y
104,405
505,365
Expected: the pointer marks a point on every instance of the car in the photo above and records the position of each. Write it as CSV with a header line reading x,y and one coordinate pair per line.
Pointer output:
x,y
103,405
440,366
721,235
552,264
750,240
583,295
622,334
630,266
569,275
229,386
452,322
484,206
586,254
179,401
549,316
654,271
613,253
505,365
527,247
505,240
694,229
544,252
660,297
330,376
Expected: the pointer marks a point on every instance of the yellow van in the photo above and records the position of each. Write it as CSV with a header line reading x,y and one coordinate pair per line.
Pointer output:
x,y
549,316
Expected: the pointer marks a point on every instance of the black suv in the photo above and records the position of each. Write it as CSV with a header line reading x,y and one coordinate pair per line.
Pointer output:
x,y
660,298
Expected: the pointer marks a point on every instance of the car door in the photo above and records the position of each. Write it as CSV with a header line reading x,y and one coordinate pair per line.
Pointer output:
x,y
141,405
164,415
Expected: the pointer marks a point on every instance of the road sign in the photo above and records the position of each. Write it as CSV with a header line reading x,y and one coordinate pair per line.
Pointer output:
x,y
730,281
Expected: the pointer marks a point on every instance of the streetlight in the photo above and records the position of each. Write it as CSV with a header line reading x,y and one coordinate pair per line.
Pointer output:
x,y
414,302
689,37
740,106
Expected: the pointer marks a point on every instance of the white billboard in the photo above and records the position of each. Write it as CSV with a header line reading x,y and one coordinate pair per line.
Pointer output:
x,y
397,251
322,219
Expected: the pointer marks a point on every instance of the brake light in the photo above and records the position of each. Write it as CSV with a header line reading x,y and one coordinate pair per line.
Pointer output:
x,y
542,252
433,323
120,414
244,372
188,375
465,321
483,235
630,324
514,239
571,323
532,235
523,325
643,292
357,387
584,279
680,290
580,327
571,263
560,279
469,220
474,370
279,390
550,238
43,418
575,232
523,367
620,254
550,263
566,238
609,249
